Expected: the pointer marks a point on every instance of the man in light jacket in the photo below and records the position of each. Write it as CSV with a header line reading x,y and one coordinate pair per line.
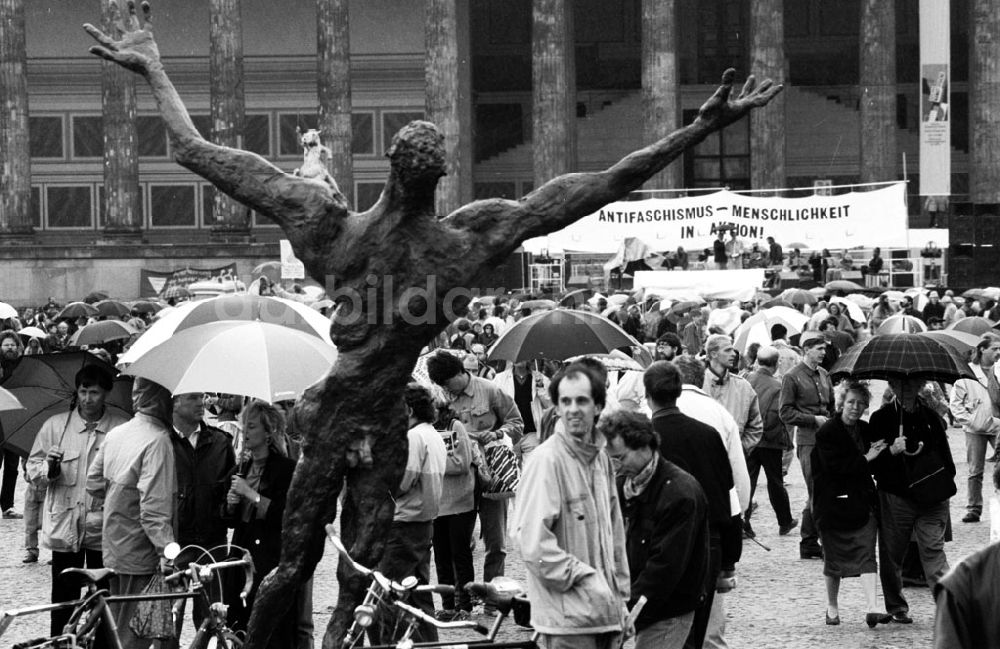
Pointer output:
x,y
57,466
134,475
570,526
974,404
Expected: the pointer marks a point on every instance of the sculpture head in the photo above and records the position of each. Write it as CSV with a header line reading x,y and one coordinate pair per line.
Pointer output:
x,y
417,155
309,139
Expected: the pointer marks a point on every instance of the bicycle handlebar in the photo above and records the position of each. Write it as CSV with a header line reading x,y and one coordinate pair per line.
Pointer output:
x,y
197,573
459,624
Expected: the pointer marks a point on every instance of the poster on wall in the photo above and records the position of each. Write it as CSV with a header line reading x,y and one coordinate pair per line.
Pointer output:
x,y
873,218
935,98
157,283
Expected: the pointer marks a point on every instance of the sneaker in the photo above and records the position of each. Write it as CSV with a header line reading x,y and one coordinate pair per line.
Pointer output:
x,y
971,517
30,556
783,530
12,513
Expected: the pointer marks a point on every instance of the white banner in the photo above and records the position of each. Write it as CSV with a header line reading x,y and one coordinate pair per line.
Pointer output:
x,y
739,285
291,267
935,99
874,218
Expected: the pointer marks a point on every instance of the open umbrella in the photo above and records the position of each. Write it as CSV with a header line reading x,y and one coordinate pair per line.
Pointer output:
x,y
960,342
757,328
275,310
175,293
894,295
95,296
269,269
854,312
902,356
45,384
577,297
538,304
261,360
101,332
900,324
145,306
112,309
32,332
777,301
843,285
615,361
559,334
975,325
798,296
9,400
7,311
75,310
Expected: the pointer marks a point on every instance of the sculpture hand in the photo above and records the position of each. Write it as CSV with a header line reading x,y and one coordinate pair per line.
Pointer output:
x,y
721,109
136,50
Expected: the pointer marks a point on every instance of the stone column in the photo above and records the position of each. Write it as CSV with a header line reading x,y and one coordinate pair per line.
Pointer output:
x,y
767,128
123,215
333,84
230,219
15,157
878,91
448,72
554,89
984,102
661,107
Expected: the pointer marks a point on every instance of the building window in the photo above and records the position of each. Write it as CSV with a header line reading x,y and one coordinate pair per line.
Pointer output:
x,y
392,122
69,206
366,195
261,221
363,134
486,190
88,136
288,137
257,134
152,135
172,206
36,206
204,125
46,137
207,205
720,160
840,18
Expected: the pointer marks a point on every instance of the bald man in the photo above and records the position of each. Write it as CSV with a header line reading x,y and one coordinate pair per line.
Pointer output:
x,y
773,442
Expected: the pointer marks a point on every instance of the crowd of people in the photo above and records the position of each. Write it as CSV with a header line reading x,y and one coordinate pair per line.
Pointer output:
x,y
634,484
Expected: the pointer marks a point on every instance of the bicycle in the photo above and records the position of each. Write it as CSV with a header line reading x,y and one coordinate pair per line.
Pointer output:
x,y
390,599
92,613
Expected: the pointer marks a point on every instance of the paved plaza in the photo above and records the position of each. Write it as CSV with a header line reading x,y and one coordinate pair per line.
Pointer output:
x,y
779,601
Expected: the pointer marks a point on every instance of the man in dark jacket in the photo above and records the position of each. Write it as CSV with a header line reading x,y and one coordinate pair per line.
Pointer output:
x,y
205,464
666,527
773,442
698,449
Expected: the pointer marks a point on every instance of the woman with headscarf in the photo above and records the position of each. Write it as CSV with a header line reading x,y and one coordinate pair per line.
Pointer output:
x,y
255,504
844,502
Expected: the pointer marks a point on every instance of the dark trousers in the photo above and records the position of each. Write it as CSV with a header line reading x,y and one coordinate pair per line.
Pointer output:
x,y
453,556
10,467
493,527
770,460
67,588
696,637
901,518
407,554
808,531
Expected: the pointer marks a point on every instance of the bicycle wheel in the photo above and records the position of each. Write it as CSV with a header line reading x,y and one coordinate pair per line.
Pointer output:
x,y
225,639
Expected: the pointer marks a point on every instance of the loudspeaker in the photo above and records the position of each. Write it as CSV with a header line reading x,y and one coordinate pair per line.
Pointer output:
x,y
962,229
788,279
851,275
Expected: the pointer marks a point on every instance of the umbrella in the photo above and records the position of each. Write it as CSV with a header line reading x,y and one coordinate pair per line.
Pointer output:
x,y
559,334
757,328
618,299
45,384
975,325
145,306
854,311
9,401
962,343
269,269
275,310
33,332
75,310
901,324
862,301
777,302
112,309
989,293
7,311
175,293
818,291
101,332
95,296
538,304
726,319
261,360
615,361
321,304
843,285
798,296
894,296
902,356
577,297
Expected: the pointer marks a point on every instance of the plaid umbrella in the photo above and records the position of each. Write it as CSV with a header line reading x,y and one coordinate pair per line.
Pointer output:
x,y
902,356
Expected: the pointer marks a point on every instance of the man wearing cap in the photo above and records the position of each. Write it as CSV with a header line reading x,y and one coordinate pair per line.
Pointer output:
x,y
806,403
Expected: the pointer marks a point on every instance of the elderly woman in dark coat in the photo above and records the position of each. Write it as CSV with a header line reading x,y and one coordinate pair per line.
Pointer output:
x,y
844,501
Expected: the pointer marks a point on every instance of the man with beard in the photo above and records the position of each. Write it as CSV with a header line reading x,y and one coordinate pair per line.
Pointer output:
x,y
630,391
11,350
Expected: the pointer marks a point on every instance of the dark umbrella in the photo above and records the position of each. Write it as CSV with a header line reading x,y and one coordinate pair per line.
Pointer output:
x,y
112,309
45,384
577,297
902,356
962,343
175,292
75,310
559,334
145,306
843,285
95,296
776,302
101,332
975,325
799,296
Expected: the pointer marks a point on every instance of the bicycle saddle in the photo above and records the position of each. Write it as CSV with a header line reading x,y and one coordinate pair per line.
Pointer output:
x,y
91,576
